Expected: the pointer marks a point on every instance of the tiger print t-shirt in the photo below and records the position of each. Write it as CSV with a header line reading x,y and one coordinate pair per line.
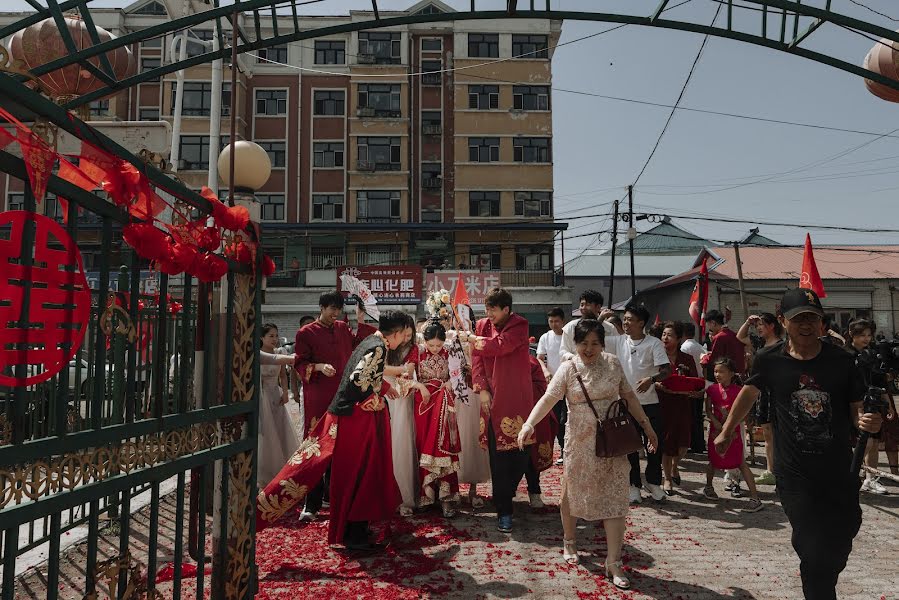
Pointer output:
x,y
810,408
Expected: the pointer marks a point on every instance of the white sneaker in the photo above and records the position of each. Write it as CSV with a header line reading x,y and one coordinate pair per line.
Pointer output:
x,y
658,494
536,500
634,496
308,516
873,486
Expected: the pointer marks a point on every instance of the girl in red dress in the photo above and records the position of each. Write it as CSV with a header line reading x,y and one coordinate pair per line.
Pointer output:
x,y
718,402
436,427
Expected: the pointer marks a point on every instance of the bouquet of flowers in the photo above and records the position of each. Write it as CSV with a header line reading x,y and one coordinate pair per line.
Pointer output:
x,y
438,304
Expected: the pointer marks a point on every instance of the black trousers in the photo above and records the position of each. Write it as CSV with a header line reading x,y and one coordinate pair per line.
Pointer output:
x,y
653,459
825,519
697,433
506,469
315,498
532,476
356,532
561,410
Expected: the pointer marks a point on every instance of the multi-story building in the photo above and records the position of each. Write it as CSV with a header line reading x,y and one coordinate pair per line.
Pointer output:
x,y
404,145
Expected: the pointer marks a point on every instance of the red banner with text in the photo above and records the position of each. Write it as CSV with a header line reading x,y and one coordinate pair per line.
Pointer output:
x,y
477,284
388,284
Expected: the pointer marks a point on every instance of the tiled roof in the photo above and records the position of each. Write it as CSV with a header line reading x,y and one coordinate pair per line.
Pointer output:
x,y
835,262
757,239
663,238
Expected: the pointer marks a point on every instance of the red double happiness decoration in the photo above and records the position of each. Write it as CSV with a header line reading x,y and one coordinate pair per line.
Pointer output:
x,y
46,305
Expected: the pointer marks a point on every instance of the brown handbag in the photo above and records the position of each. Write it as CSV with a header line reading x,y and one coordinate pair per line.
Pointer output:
x,y
616,435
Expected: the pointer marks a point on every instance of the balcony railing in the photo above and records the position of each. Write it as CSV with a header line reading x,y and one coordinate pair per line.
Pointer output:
x,y
369,112
432,183
430,79
432,129
528,278
367,59
365,165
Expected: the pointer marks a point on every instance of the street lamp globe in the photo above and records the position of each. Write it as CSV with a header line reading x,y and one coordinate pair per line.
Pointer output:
x,y
252,166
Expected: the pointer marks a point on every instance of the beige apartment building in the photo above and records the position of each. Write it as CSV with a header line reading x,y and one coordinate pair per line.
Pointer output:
x,y
406,145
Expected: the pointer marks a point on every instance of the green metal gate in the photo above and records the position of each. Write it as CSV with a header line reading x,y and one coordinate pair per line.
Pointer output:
x,y
144,447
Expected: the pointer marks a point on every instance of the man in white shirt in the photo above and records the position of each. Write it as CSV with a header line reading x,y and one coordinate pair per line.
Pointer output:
x,y
549,352
590,305
645,362
696,350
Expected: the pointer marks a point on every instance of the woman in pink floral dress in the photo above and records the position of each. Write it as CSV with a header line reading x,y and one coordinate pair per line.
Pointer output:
x,y
593,488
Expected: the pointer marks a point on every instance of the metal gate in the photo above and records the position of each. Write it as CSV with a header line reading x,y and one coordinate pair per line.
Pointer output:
x,y
142,450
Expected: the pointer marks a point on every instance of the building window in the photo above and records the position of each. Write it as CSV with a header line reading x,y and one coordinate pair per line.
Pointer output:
x,y
532,150
483,204
52,208
273,206
483,149
278,254
431,122
431,44
483,45
15,201
379,100
378,153
327,154
431,215
271,102
533,204
148,114
151,8
378,206
198,99
530,97
328,103
484,257
431,72
330,52
483,97
326,258
276,54
529,46
377,255
99,108
379,47
327,207
430,176
155,42
194,46
533,258
148,64
277,153
193,153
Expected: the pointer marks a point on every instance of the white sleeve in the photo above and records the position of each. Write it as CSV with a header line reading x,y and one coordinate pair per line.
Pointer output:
x,y
541,344
659,356
568,349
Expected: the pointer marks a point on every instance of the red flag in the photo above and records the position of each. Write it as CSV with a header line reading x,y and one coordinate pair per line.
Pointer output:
x,y
658,320
76,176
699,300
39,159
460,295
6,138
809,278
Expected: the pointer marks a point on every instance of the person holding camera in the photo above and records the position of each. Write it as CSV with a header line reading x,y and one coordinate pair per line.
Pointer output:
x,y
816,393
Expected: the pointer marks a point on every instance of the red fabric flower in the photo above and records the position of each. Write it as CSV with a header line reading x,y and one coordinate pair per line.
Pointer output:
x,y
241,252
148,241
232,218
181,256
268,266
210,239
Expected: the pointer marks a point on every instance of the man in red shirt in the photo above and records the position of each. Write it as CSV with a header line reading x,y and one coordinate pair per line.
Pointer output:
x,y
501,373
724,343
322,349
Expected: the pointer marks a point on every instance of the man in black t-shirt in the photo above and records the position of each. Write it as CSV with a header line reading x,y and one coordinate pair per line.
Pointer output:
x,y
816,394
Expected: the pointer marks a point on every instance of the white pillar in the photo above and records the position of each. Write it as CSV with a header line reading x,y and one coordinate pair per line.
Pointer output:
x,y
215,119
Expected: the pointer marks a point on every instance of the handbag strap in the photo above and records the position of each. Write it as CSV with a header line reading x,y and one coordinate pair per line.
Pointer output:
x,y
587,396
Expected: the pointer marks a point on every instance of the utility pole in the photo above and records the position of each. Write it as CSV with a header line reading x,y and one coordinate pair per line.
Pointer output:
x,y
743,302
631,234
614,250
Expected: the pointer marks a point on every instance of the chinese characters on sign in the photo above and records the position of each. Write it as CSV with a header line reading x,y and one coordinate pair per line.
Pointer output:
x,y
477,284
390,285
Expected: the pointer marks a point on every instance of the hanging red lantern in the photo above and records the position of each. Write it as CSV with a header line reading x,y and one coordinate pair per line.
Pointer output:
x,y
884,60
42,42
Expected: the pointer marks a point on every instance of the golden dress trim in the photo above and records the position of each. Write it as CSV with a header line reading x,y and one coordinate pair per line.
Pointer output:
x,y
368,375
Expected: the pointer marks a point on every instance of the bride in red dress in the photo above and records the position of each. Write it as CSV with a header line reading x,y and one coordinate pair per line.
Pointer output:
x,y
436,428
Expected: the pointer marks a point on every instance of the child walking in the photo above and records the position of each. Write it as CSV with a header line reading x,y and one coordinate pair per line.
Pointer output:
x,y
718,401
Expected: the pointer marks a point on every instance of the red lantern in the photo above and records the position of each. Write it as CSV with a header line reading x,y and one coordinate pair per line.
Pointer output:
x,y
884,60
42,42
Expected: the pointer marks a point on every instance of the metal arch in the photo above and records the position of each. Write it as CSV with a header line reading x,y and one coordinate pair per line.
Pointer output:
x,y
783,10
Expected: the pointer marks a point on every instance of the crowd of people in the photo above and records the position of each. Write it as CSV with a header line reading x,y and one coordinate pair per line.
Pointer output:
x,y
396,417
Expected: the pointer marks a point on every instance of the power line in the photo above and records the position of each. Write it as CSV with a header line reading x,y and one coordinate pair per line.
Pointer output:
x,y
876,12
683,90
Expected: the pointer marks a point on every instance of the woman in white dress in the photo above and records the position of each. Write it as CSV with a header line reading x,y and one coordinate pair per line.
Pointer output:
x,y
474,462
277,436
402,427
593,488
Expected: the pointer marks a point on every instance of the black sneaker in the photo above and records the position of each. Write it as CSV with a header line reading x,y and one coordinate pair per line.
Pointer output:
x,y
754,505
736,491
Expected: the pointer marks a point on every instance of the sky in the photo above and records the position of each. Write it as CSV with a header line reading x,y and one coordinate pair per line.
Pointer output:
x,y
709,166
